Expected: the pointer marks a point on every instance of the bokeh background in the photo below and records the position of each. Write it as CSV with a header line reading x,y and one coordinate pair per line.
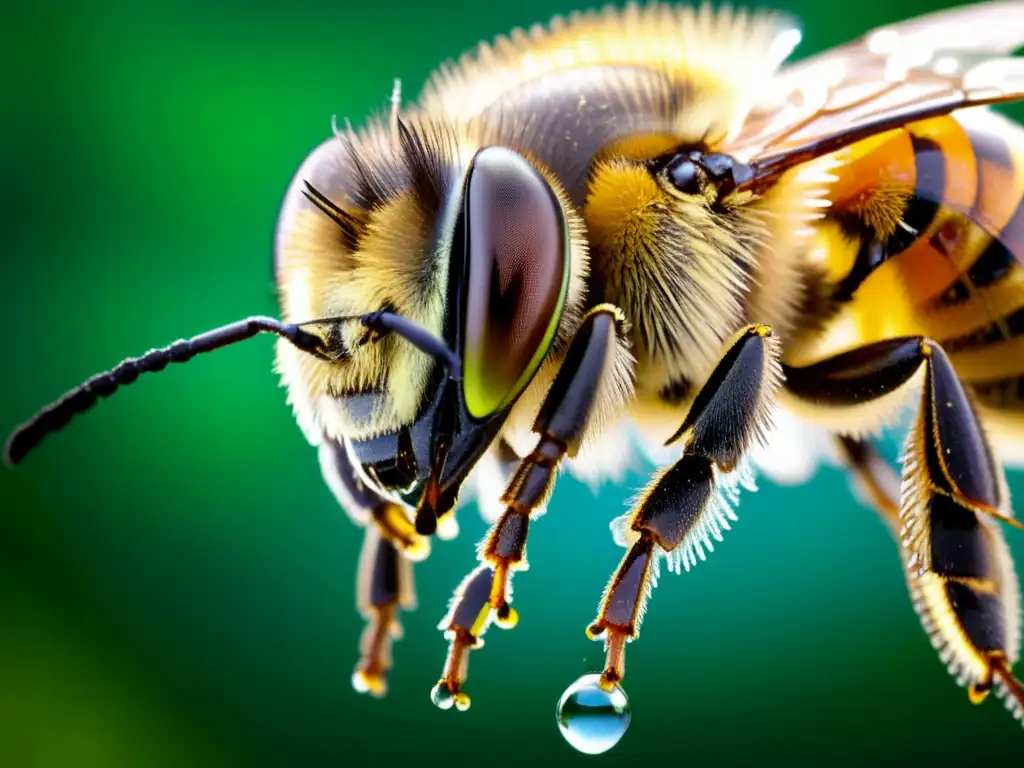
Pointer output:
x,y
176,582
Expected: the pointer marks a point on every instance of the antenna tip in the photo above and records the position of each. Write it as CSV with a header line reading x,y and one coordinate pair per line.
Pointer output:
x,y
12,455
20,442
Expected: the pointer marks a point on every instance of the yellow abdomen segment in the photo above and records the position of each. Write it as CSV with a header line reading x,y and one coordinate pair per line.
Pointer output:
x,y
925,236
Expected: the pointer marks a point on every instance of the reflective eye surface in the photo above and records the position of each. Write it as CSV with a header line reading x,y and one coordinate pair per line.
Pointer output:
x,y
518,276
684,175
719,166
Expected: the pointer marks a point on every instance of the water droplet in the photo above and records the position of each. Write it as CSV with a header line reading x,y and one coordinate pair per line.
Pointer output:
x,y
365,682
442,696
360,682
592,719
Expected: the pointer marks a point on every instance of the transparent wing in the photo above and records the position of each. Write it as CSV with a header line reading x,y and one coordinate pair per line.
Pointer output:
x,y
920,68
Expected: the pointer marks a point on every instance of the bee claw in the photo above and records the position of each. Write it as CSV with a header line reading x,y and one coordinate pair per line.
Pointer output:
x,y
371,682
505,616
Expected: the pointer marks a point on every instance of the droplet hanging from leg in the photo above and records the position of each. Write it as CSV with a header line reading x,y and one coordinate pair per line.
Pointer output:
x,y
593,363
689,504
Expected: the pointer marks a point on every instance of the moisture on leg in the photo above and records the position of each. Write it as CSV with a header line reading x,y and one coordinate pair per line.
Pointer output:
x,y
593,719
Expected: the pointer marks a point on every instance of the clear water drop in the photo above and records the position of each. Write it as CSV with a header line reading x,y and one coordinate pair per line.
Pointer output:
x,y
442,696
592,719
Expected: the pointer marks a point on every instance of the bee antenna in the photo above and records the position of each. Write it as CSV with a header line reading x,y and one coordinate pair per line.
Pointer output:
x,y
83,397
317,337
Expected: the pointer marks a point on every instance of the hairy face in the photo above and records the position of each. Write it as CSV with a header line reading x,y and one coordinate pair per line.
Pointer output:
x,y
382,220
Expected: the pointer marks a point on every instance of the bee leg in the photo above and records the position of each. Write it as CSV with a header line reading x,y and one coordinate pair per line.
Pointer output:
x,y
954,494
879,481
469,615
366,505
384,583
690,503
560,424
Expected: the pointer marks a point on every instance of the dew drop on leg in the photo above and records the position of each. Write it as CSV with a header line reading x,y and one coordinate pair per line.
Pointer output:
x,y
592,719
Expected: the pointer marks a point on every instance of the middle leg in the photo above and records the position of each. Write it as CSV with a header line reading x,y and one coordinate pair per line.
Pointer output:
x,y
689,503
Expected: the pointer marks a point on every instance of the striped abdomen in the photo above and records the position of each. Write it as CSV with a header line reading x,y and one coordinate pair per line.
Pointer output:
x,y
926,237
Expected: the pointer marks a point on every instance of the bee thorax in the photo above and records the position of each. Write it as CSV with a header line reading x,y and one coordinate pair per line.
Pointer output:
x,y
678,270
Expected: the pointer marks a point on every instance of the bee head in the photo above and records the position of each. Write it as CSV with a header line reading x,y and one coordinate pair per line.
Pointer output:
x,y
479,248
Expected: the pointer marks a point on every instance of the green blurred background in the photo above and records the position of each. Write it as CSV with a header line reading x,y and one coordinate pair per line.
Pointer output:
x,y
176,581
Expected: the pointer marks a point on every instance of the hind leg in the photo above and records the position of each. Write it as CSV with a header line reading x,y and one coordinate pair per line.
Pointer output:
x,y
953,498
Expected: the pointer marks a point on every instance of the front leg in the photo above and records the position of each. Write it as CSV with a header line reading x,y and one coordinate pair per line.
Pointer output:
x,y
593,377
954,495
690,503
384,582
384,586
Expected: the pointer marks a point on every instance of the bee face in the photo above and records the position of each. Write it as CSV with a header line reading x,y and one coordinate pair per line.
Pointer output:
x,y
479,247
386,257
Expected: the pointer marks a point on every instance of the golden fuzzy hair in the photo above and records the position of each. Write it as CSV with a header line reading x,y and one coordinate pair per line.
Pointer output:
x,y
700,70
732,54
400,183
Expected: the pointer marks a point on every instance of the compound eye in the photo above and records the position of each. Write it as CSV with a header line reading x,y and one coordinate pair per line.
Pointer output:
x,y
683,174
717,165
518,275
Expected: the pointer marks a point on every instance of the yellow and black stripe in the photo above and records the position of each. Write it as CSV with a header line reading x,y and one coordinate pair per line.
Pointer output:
x,y
929,224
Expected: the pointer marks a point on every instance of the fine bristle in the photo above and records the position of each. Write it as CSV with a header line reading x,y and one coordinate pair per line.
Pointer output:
x,y
729,54
787,214
710,526
939,618
1011,693
712,521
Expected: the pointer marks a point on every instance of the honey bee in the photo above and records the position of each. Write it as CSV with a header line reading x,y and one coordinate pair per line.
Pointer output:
x,y
645,216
